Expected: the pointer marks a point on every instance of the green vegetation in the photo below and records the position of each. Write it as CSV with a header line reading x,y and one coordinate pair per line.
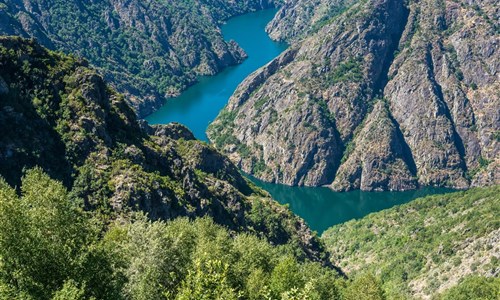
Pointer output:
x,y
51,249
59,115
473,287
258,166
221,129
350,70
160,54
260,102
496,136
429,242
48,244
349,149
369,284
334,11
483,162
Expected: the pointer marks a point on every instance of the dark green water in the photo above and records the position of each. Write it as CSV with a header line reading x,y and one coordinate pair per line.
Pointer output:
x,y
201,103
322,208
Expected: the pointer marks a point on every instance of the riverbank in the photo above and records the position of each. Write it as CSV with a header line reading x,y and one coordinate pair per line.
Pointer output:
x,y
198,106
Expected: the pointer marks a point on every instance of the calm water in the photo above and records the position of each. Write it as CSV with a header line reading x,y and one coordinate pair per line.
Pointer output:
x,y
198,106
322,208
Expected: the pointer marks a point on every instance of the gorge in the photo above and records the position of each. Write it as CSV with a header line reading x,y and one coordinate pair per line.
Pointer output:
x,y
195,108
372,95
308,151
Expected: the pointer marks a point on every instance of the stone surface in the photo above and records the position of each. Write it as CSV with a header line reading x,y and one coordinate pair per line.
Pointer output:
x,y
63,117
149,50
309,117
380,159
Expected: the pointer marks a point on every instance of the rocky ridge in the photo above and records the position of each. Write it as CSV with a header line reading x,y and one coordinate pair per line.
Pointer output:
x,y
58,114
148,49
383,95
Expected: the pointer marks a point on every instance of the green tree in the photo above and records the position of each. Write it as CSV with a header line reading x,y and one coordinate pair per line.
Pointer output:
x,y
474,287
45,241
364,287
208,280
70,291
155,263
286,276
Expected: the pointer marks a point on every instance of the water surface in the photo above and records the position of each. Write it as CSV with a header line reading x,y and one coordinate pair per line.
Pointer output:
x,y
198,106
322,207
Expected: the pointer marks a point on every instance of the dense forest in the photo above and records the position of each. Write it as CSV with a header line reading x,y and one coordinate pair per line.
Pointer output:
x,y
52,249
147,49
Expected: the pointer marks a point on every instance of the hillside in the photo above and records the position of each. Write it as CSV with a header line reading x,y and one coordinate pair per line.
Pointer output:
x,y
58,114
425,247
372,95
51,249
147,49
97,205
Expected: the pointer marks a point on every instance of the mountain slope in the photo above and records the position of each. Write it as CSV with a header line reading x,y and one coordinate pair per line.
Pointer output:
x,y
424,247
59,114
425,71
147,49
51,249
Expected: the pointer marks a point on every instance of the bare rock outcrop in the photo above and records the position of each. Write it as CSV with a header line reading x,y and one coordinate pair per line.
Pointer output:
x,y
381,95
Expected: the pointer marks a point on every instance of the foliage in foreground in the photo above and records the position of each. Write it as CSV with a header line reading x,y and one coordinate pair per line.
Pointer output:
x,y
51,249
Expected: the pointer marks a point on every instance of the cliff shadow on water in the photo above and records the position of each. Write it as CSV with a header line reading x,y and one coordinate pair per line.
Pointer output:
x,y
323,208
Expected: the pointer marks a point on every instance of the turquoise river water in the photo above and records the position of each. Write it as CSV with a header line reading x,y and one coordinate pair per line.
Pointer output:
x,y
200,104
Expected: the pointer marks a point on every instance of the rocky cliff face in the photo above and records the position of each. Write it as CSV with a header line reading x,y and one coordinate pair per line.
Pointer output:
x,y
298,18
58,114
148,50
378,95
